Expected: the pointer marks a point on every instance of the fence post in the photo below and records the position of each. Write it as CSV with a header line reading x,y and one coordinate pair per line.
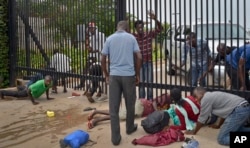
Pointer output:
x,y
120,13
27,35
12,41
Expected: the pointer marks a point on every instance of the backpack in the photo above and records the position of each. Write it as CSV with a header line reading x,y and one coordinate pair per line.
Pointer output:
x,y
75,139
155,122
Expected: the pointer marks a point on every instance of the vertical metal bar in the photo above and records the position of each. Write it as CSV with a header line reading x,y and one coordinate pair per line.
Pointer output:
x,y
27,38
12,40
120,10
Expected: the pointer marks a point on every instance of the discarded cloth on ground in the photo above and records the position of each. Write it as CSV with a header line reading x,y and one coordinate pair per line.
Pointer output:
x,y
162,138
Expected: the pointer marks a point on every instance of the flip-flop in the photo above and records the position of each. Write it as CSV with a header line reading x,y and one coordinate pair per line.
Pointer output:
x,y
90,124
88,109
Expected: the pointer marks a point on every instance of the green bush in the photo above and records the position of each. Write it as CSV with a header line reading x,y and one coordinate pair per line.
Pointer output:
x,y
4,56
77,56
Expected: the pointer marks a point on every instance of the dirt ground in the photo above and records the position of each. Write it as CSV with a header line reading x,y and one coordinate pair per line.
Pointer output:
x,y
24,125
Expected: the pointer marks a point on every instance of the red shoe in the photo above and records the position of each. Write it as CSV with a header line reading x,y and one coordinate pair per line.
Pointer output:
x,y
75,94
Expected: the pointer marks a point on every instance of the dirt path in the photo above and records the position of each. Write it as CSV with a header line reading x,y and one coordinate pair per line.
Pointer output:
x,y
25,125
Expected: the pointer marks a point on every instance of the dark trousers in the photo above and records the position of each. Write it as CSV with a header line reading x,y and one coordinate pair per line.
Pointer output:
x,y
90,61
234,78
20,93
119,85
95,70
55,81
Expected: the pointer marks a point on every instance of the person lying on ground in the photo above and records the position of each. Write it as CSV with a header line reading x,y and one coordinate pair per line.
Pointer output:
x,y
233,111
33,91
143,107
187,109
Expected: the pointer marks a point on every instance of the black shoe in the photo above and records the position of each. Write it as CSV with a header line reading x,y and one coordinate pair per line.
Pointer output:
x,y
118,142
132,130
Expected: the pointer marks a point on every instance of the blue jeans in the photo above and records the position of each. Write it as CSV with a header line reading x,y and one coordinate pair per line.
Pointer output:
x,y
234,122
146,76
197,71
36,77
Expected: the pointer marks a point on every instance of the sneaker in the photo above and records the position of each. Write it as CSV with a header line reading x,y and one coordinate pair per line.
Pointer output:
x,y
98,94
101,99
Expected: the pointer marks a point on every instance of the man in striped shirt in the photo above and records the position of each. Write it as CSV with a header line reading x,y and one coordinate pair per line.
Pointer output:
x,y
144,39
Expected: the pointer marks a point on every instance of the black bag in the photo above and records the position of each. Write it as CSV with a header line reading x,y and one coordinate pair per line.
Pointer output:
x,y
155,122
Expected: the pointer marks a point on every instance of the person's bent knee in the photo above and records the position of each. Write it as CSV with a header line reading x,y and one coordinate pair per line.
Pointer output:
x,y
222,140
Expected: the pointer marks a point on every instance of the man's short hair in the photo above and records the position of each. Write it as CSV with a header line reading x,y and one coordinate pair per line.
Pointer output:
x,y
175,94
138,22
48,77
55,51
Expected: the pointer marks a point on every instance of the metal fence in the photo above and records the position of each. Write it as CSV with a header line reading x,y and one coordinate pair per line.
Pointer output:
x,y
42,26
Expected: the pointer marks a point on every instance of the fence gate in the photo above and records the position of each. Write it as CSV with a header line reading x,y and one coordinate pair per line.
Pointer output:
x,y
41,26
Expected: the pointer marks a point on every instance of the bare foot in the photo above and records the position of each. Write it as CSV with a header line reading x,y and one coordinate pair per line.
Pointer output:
x,y
91,124
90,116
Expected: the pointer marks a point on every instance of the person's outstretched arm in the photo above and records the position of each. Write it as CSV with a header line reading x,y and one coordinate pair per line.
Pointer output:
x,y
31,98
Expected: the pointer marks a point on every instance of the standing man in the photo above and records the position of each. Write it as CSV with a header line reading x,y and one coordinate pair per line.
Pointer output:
x,y
238,66
121,47
94,44
200,56
145,40
232,110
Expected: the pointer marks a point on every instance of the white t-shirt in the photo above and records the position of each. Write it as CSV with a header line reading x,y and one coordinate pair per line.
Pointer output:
x,y
96,43
60,62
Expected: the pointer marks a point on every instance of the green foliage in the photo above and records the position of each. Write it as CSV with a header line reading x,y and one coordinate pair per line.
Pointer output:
x,y
78,59
163,35
63,16
4,69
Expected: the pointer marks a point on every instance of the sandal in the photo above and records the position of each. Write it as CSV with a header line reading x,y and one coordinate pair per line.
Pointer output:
x,y
88,109
90,116
90,124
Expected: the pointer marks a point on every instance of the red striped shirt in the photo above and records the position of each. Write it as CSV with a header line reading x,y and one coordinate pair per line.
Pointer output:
x,y
145,44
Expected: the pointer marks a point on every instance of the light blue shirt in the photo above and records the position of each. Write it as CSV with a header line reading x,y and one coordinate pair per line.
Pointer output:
x,y
121,47
236,54
199,55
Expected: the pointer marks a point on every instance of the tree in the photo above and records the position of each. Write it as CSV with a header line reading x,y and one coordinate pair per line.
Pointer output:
x,y
63,16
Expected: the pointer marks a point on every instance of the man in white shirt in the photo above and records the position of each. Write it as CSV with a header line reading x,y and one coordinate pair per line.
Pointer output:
x,y
61,63
94,44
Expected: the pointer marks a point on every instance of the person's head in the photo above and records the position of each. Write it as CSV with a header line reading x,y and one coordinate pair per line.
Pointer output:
x,y
92,28
47,80
175,95
198,93
222,49
192,39
139,25
55,51
123,25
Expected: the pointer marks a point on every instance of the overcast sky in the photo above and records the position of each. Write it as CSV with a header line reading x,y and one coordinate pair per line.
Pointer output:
x,y
208,10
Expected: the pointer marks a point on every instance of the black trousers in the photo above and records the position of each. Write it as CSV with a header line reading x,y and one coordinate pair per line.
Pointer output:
x,y
95,70
19,94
